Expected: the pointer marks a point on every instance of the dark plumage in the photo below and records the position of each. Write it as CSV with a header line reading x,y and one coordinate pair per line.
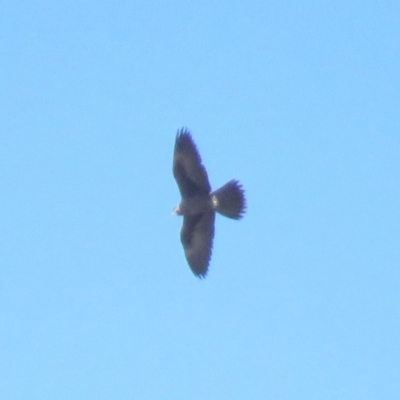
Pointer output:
x,y
199,204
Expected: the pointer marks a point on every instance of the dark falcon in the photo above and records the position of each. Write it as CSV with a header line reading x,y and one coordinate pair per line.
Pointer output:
x,y
199,203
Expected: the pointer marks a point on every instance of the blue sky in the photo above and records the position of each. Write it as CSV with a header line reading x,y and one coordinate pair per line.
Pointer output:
x,y
298,100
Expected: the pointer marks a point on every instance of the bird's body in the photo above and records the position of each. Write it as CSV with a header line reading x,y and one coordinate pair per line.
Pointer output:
x,y
199,204
194,205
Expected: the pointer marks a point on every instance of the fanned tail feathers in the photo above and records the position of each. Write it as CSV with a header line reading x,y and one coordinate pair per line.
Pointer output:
x,y
229,200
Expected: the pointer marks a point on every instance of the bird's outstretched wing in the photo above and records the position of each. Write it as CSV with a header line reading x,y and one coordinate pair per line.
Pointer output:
x,y
197,239
189,172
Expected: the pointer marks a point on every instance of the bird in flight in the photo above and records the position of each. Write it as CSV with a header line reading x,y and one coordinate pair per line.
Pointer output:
x,y
199,204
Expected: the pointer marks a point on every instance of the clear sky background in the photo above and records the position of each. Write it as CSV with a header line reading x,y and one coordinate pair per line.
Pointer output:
x,y
300,101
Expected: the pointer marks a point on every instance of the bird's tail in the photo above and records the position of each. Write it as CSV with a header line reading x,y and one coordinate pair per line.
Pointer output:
x,y
229,200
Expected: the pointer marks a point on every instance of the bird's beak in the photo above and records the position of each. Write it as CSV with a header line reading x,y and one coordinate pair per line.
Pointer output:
x,y
176,211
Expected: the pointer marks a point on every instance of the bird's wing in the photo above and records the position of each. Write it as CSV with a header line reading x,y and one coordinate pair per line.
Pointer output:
x,y
189,172
197,239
